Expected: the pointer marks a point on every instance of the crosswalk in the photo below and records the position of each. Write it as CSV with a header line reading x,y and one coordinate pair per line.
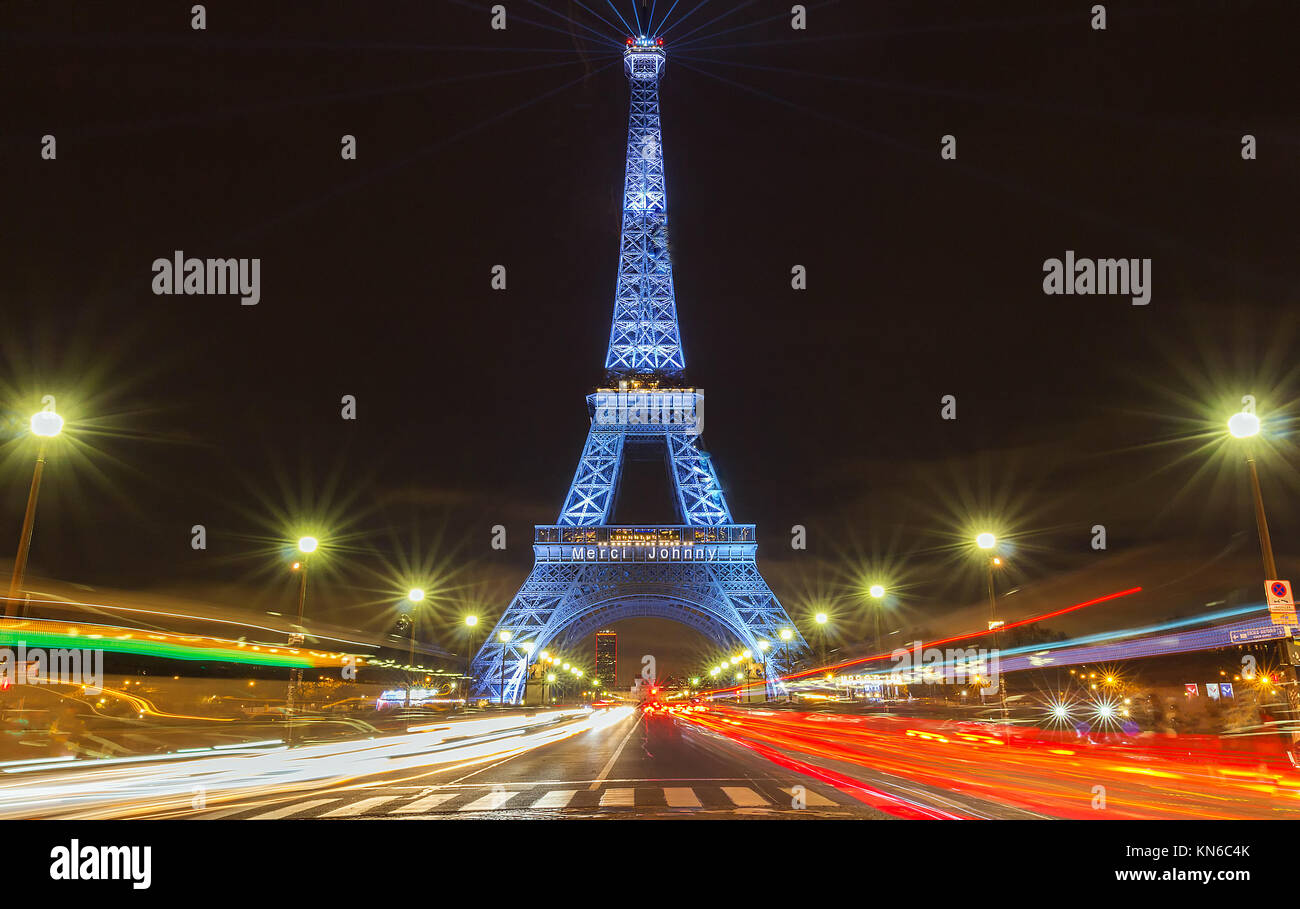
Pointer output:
x,y
538,801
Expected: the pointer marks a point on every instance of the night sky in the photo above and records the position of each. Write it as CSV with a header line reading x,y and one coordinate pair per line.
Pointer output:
x,y
821,148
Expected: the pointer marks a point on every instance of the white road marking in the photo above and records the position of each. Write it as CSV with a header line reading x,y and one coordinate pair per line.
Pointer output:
x,y
618,798
609,765
206,815
358,807
811,799
681,798
290,810
490,802
558,798
426,803
744,797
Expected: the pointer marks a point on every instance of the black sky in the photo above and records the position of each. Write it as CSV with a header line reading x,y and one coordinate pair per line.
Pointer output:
x,y
818,148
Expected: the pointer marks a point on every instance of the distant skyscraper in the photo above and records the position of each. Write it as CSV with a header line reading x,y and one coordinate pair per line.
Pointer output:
x,y
606,657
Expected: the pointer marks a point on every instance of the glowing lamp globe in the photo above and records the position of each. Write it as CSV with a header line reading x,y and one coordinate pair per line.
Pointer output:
x,y
786,634
47,424
821,618
308,544
986,541
1242,425
471,620
877,591
415,595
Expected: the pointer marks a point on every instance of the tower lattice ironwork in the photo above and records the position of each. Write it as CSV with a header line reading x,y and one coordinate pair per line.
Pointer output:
x,y
588,573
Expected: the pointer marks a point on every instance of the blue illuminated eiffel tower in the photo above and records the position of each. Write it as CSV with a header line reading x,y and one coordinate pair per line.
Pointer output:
x,y
588,573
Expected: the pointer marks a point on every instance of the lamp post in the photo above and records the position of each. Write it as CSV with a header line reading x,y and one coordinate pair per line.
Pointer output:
x,y
504,638
785,634
987,542
413,597
1246,426
877,592
470,622
45,425
821,619
306,546
527,647
763,647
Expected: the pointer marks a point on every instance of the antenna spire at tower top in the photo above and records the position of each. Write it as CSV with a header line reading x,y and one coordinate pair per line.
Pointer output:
x,y
644,340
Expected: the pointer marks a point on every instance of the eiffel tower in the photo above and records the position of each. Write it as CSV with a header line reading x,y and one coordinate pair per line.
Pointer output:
x,y
588,573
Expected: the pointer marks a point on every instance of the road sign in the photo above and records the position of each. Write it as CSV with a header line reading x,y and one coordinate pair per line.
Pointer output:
x,y
1258,633
1281,604
1279,594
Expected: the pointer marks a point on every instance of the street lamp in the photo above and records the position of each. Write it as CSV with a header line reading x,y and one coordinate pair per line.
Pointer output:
x,y
1243,425
504,638
527,647
821,619
306,546
786,635
45,425
987,541
877,592
413,596
471,622
1246,425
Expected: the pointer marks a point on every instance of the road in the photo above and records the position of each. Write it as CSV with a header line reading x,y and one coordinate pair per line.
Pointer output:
x,y
616,763
625,763
637,767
